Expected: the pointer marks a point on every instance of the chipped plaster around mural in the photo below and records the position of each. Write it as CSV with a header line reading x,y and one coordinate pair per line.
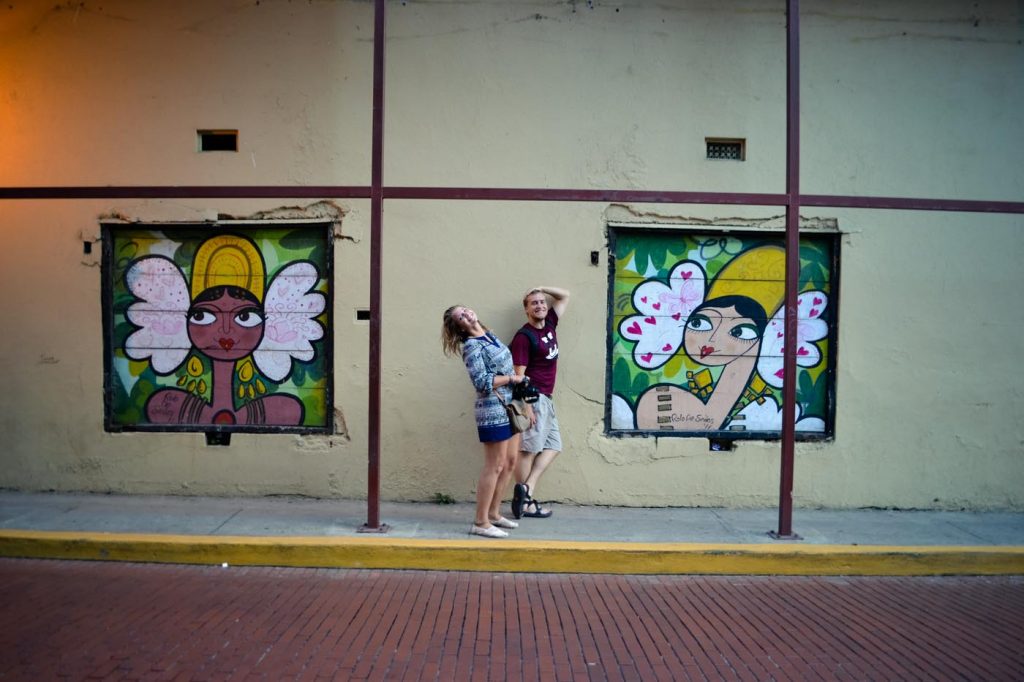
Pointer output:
x,y
627,215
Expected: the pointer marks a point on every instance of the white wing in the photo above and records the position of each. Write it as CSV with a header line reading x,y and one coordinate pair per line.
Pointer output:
x,y
810,328
161,313
290,325
622,413
658,330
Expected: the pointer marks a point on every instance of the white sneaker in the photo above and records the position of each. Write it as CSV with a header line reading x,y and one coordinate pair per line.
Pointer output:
x,y
502,522
488,532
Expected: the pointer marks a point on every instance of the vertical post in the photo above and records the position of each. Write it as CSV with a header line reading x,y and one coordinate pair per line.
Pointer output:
x,y
785,529
376,230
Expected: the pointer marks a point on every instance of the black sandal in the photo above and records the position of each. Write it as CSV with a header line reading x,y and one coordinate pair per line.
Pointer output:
x,y
537,512
520,494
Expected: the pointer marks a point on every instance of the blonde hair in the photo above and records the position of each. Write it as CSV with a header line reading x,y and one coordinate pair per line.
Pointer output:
x,y
452,335
530,293
758,274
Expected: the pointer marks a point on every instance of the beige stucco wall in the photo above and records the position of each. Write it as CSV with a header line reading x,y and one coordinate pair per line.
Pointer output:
x,y
898,99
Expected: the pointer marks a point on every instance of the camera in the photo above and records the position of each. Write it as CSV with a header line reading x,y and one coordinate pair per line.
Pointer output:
x,y
526,392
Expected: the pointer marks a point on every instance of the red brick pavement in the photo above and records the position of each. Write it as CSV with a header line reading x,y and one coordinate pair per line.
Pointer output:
x,y
111,621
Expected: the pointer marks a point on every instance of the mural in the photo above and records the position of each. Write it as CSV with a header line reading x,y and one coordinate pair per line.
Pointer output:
x,y
697,339
224,329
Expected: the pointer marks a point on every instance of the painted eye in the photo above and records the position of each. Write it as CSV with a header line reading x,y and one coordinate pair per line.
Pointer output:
x,y
248,318
699,323
202,317
744,332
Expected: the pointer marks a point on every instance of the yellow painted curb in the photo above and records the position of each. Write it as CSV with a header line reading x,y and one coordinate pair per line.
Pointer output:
x,y
518,556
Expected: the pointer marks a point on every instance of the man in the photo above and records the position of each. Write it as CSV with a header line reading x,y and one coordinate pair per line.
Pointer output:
x,y
535,354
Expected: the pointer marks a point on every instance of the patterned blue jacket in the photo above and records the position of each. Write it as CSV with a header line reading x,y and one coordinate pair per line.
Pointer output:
x,y
486,356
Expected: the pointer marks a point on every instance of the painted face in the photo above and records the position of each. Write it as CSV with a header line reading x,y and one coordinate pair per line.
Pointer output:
x,y
537,307
226,328
717,336
465,318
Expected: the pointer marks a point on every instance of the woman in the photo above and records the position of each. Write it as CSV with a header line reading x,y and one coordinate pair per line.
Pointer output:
x,y
220,321
726,330
489,363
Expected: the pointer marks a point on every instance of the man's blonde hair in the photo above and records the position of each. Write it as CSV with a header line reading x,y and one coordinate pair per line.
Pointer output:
x,y
530,293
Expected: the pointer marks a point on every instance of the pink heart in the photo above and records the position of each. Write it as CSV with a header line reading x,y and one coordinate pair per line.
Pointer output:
x,y
634,329
814,312
650,320
677,316
657,306
802,351
643,299
817,301
779,373
647,357
667,347
687,275
779,335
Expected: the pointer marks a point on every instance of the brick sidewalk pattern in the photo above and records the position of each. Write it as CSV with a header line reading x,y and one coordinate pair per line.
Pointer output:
x,y
117,621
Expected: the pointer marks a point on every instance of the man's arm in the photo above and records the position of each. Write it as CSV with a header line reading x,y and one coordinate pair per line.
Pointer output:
x,y
559,296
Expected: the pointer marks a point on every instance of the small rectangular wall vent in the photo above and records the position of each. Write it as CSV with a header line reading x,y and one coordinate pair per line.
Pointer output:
x,y
729,148
218,140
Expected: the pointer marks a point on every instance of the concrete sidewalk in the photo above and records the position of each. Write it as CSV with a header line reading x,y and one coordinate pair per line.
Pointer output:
x,y
310,532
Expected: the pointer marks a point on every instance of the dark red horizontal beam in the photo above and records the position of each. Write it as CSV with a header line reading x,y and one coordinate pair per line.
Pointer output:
x,y
911,204
359,192
505,194
625,195
185,192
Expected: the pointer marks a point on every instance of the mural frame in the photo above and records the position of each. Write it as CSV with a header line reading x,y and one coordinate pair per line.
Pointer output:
x,y
110,229
617,232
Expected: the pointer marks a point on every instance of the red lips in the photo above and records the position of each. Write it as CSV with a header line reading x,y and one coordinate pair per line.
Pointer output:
x,y
228,344
706,350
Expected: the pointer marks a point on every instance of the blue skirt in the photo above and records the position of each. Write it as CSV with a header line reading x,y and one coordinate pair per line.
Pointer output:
x,y
494,433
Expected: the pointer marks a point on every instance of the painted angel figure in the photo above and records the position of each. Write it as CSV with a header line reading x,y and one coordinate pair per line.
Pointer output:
x,y
737,324
231,315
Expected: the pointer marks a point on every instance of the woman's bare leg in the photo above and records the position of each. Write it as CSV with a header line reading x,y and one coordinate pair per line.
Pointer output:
x,y
490,475
509,453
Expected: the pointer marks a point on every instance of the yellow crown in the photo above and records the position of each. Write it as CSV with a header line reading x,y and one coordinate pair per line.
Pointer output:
x,y
758,274
228,260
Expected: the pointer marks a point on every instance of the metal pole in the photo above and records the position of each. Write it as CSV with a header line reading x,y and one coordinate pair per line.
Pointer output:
x,y
373,523
785,529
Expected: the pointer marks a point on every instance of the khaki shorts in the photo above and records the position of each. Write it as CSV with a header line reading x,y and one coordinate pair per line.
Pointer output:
x,y
544,435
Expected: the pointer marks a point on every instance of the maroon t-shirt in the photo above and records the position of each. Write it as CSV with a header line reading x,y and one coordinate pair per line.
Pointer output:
x,y
538,350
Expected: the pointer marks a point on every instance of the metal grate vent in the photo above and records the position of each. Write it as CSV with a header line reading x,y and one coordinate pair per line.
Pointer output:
x,y
217,140
732,149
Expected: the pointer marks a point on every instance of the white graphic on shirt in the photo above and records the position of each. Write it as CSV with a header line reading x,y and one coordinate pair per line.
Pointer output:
x,y
549,341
